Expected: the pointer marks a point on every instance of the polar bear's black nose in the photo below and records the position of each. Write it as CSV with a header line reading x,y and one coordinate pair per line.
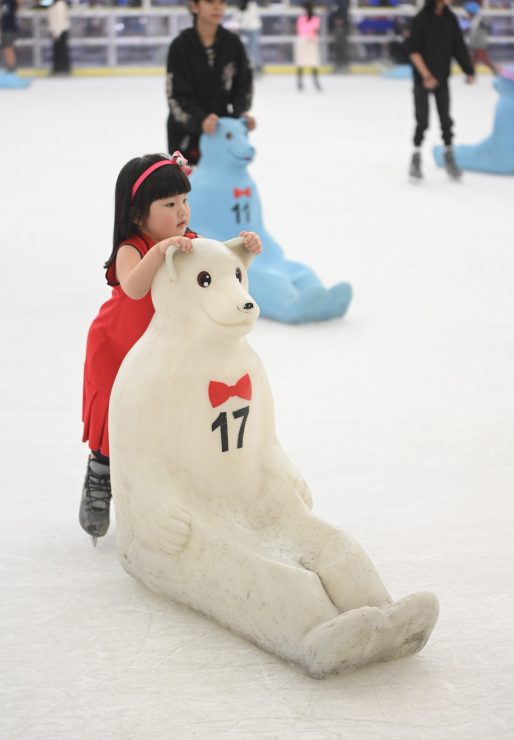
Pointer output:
x,y
248,306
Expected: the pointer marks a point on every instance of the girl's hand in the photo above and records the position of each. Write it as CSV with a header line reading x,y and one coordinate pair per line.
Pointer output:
x,y
252,242
183,243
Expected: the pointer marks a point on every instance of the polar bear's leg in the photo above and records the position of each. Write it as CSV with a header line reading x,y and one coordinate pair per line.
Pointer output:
x,y
344,568
270,603
368,635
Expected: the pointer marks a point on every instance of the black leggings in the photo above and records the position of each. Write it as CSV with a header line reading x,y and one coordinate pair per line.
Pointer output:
x,y
442,101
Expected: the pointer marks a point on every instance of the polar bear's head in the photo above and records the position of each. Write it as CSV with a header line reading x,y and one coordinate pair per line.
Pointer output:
x,y
207,289
227,148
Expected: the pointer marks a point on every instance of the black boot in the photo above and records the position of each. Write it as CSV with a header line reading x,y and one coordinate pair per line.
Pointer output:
x,y
299,78
316,79
450,165
415,172
96,499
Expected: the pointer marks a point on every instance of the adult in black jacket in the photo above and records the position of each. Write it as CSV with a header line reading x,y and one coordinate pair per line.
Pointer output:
x,y
435,38
208,76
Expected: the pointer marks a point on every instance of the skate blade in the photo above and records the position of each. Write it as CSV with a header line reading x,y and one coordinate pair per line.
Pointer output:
x,y
94,540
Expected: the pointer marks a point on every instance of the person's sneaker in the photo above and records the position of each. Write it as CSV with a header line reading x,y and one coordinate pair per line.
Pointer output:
x,y
96,499
450,165
415,173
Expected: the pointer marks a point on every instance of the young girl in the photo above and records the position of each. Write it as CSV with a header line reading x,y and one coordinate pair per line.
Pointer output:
x,y
307,45
151,213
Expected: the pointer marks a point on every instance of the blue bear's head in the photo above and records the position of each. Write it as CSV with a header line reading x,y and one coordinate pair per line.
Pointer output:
x,y
229,147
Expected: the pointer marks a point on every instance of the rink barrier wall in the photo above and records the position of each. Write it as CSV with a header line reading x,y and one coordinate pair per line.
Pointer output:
x,y
137,38
353,69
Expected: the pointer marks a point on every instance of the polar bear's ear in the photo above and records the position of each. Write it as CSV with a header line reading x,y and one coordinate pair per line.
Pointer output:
x,y
237,245
171,252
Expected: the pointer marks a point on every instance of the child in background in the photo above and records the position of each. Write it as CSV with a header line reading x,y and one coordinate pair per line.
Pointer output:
x,y
208,76
151,213
9,32
59,26
249,24
435,37
477,37
307,45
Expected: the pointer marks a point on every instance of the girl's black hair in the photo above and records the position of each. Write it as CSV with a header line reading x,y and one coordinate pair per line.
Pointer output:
x,y
309,9
243,4
430,5
163,182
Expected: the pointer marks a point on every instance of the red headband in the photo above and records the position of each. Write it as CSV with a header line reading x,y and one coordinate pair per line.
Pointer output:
x,y
176,159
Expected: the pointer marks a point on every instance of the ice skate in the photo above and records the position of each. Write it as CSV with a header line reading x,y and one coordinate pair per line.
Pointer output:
x,y
96,499
415,173
454,172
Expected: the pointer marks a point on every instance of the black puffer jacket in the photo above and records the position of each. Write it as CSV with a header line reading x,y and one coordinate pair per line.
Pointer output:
x,y
202,81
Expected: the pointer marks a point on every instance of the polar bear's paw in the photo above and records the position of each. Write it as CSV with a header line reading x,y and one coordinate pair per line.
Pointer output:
x,y
174,531
410,622
368,635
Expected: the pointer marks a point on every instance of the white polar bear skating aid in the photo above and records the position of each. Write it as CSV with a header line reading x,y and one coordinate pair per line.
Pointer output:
x,y
211,512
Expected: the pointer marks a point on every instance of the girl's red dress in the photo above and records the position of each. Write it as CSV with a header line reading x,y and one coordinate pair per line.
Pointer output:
x,y
121,321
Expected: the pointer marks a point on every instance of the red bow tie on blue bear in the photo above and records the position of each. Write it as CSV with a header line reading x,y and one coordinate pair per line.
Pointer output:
x,y
238,192
220,392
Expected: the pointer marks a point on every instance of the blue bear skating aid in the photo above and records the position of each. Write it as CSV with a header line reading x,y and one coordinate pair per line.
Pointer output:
x,y
11,81
225,201
496,153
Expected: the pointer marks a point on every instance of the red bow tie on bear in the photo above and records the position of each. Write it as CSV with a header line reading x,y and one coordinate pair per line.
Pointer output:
x,y
238,193
220,392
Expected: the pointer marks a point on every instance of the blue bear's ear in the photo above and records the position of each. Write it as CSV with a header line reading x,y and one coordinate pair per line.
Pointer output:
x,y
237,245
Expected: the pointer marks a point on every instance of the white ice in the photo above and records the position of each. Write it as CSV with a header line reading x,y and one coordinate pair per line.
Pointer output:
x,y
400,416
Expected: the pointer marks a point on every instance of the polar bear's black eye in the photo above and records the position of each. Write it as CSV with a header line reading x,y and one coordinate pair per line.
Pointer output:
x,y
238,274
204,279
229,135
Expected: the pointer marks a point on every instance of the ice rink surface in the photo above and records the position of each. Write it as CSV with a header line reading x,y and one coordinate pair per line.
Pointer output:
x,y
400,417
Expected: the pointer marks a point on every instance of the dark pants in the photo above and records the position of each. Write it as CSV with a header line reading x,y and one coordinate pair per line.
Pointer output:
x,y
61,61
442,101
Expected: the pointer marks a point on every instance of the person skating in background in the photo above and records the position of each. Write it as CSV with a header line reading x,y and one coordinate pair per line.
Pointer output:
x,y
249,24
477,35
396,49
435,38
59,26
208,76
339,28
307,53
9,33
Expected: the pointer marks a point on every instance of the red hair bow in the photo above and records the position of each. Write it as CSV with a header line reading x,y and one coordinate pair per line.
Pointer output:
x,y
178,159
